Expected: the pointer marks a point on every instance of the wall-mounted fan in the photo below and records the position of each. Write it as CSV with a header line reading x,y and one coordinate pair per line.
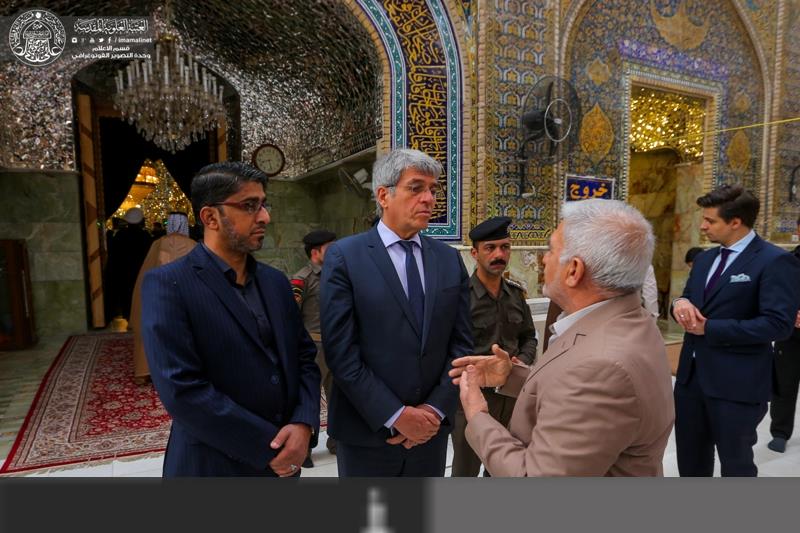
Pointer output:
x,y
357,183
550,117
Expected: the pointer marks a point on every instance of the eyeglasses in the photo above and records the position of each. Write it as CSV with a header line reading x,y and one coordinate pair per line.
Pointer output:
x,y
251,207
418,188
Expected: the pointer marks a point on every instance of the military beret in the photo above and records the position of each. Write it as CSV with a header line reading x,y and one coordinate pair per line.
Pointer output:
x,y
492,229
319,237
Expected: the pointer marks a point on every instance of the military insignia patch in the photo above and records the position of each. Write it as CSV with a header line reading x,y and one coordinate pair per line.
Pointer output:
x,y
298,287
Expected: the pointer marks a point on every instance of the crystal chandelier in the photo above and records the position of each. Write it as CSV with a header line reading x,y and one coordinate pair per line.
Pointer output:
x,y
173,101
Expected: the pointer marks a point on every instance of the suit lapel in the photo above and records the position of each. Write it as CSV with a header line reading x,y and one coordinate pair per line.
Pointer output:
x,y
584,327
429,263
738,264
380,256
555,350
699,286
272,304
215,280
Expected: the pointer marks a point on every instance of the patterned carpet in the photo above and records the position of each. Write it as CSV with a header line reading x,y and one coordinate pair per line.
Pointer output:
x,y
89,408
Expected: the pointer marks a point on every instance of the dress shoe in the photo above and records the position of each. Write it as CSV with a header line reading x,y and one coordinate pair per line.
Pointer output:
x,y
777,444
308,463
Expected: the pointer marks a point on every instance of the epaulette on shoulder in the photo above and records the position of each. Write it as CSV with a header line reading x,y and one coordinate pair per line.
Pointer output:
x,y
517,285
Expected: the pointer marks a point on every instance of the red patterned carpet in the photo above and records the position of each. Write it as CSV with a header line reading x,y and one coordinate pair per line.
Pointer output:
x,y
88,408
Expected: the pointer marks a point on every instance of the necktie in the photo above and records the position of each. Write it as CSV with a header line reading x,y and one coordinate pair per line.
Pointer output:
x,y
415,295
724,253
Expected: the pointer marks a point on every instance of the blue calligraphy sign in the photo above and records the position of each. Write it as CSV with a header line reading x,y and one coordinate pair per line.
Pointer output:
x,y
585,187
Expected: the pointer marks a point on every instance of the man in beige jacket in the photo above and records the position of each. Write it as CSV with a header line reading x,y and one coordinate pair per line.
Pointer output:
x,y
599,401
165,250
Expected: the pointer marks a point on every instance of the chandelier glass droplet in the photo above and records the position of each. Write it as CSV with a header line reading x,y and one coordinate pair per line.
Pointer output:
x,y
172,100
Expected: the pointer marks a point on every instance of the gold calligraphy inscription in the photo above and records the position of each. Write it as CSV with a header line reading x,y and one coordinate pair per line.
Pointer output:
x,y
426,96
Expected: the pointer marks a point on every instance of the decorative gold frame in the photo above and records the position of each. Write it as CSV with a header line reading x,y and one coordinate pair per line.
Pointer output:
x,y
635,74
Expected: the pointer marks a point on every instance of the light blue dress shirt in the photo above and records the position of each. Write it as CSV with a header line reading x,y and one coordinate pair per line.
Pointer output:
x,y
397,254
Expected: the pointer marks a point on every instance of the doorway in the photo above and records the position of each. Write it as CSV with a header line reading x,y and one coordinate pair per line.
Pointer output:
x,y
664,175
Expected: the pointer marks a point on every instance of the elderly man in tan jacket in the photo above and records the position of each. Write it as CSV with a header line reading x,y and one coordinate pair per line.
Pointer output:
x,y
599,400
171,247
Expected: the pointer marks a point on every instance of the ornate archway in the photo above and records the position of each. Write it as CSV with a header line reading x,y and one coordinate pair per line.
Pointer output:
x,y
424,92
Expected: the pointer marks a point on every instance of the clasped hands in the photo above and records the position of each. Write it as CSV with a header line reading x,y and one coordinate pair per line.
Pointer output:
x,y
292,440
472,372
689,317
415,425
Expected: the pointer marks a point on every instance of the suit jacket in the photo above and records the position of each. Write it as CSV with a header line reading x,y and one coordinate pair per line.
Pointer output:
x,y
379,359
754,303
597,403
227,393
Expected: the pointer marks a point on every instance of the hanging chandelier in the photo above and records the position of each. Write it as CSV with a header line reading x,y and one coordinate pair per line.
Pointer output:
x,y
172,100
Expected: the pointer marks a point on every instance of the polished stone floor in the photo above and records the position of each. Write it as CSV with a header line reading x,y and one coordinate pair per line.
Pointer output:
x,y
22,371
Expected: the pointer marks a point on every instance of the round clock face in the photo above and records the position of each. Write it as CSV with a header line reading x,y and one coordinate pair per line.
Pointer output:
x,y
269,159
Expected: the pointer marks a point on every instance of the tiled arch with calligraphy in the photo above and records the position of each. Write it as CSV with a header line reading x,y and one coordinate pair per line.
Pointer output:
x,y
425,93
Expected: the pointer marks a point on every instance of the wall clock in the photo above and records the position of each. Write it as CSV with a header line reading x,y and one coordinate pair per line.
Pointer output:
x,y
269,159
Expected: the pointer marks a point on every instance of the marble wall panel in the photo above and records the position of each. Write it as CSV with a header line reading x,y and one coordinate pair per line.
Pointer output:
x,y
43,208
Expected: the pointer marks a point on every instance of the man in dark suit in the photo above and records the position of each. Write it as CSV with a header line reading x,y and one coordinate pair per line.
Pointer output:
x,y
783,404
225,342
739,298
395,313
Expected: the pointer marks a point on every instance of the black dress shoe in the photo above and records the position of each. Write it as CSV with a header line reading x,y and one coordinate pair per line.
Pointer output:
x,y
777,444
308,463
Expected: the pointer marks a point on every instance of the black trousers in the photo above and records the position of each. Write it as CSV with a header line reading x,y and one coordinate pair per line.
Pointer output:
x,y
425,460
786,377
703,423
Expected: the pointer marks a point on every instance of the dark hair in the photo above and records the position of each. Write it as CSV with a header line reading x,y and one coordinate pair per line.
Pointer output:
x,y
215,182
309,247
798,221
691,253
732,201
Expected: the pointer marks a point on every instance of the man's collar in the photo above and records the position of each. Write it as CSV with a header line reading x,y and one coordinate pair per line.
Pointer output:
x,y
742,243
389,237
480,288
227,270
315,268
564,322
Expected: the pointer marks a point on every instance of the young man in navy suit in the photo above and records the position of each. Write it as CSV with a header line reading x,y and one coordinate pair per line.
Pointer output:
x,y
739,298
225,342
395,313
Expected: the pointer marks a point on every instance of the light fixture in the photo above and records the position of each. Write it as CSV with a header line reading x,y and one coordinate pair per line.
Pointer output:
x,y
172,100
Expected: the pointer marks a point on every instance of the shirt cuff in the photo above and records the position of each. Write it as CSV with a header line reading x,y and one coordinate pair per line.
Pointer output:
x,y
390,423
438,412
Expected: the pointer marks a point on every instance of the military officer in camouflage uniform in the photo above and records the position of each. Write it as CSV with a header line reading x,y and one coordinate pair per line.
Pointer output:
x,y
499,316
305,285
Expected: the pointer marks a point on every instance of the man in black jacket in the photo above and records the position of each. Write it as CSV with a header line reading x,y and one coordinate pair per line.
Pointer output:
x,y
786,378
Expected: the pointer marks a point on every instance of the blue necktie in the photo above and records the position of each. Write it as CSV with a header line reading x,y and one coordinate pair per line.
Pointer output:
x,y
724,253
415,295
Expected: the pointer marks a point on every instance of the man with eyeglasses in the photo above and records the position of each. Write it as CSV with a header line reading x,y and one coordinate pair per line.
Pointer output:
x,y
394,313
225,342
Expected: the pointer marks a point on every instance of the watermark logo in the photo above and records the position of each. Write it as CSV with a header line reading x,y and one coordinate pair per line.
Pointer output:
x,y
37,37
